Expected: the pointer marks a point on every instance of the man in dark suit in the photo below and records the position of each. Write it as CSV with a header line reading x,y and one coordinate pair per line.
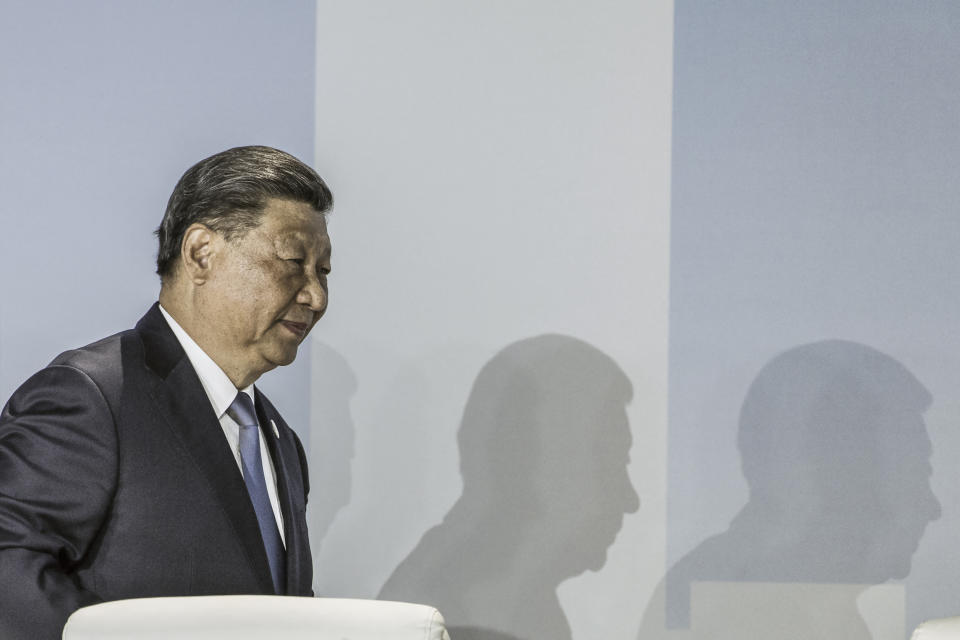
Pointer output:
x,y
147,464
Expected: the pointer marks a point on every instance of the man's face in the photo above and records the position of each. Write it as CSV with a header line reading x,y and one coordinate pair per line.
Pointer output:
x,y
268,288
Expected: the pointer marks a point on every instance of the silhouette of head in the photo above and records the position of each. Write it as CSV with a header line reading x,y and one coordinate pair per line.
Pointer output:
x,y
544,447
833,441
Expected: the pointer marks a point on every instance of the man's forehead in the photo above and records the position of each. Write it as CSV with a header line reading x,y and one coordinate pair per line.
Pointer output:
x,y
289,220
316,234
302,238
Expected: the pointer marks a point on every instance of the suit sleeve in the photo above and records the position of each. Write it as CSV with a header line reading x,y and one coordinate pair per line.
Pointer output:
x,y
57,476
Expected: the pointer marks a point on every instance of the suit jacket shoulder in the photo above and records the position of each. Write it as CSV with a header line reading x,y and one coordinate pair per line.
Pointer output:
x,y
116,482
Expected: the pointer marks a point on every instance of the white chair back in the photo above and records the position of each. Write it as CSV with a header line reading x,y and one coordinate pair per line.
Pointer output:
x,y
940,629
255,617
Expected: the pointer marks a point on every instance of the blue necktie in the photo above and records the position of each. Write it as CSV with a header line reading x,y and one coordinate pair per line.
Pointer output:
x,y
245,415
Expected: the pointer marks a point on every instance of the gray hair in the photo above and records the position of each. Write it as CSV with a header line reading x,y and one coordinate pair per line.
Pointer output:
x,y
228,191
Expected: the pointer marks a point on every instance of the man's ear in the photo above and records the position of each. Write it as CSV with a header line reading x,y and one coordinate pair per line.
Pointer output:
x,y
200,244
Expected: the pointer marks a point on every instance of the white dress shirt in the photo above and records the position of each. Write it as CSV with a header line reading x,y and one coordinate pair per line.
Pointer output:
x,y
221,393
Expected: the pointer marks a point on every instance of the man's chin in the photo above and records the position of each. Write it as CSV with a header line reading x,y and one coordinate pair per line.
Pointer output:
x,y
278,356
284,358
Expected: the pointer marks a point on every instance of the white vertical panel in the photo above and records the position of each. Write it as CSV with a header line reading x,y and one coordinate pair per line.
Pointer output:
x,y
501,171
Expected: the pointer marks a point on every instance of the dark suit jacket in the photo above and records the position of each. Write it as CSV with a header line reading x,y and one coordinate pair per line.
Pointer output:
x,y
116,482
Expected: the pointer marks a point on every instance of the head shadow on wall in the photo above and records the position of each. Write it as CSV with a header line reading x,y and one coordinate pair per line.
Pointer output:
x,y
544,445
836,455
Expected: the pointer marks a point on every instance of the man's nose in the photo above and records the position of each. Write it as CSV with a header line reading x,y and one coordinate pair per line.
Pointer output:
x,y
313,295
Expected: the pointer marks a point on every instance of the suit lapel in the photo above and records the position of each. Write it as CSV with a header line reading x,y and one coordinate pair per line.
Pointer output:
x,y
181,400
281,454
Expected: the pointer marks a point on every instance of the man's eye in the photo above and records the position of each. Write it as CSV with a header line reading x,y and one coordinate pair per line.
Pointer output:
x,y
298,261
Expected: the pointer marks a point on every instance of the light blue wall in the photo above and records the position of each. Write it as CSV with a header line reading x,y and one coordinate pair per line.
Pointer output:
x,y
815,197
104,105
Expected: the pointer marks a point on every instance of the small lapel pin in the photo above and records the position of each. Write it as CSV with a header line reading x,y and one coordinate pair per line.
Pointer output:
x,y
276,431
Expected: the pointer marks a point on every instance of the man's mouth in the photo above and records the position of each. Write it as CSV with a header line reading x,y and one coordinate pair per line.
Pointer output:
x,y
299,329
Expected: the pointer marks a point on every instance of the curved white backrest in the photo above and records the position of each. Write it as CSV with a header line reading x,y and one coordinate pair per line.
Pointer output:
x,y
249,617
940,629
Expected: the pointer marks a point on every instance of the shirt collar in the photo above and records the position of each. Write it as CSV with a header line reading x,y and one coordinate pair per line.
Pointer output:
x,y
220,391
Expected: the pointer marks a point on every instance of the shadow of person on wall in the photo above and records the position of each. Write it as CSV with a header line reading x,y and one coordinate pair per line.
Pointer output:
x,y
544,446
837,459
333,384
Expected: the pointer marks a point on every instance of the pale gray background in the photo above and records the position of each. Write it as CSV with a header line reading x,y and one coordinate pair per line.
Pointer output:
x,y
501,174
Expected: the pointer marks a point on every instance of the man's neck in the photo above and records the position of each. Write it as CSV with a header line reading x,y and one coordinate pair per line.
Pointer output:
x,y
185,315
